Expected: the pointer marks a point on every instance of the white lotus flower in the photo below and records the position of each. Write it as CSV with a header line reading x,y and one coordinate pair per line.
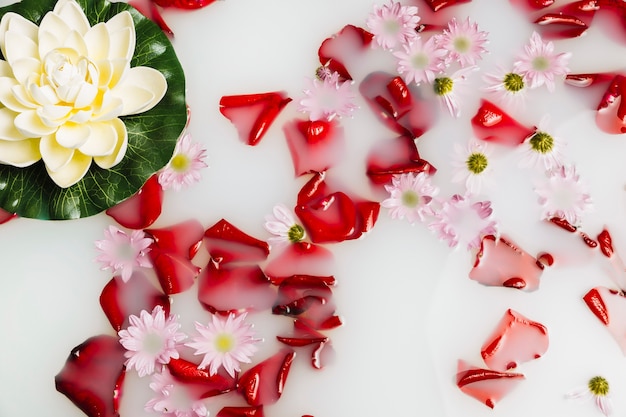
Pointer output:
x,y
64,86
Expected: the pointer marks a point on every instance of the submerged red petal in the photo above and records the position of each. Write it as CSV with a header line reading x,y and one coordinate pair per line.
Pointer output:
x,y
492,124
149,9
241,412
611,114
487,386
224,288
120,299
92,376
253,114
569,21
395,156
263,384
301,258
210,385
184,4
396,106
437,5
304,335
609,306
226,243
339,51
315,146
142,209
182,238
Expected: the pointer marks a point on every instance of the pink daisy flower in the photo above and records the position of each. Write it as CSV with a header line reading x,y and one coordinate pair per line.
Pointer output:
x,y
150,339
122,253
597,389
472,165
419,61
539,64
409,196
185,165
446,88
562,195
461,221
282,224
542,149
509,86
224,342
393,24
464,42
327,98
172,398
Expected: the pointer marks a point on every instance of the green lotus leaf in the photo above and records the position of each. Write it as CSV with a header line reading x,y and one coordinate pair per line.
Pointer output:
x,y
152,135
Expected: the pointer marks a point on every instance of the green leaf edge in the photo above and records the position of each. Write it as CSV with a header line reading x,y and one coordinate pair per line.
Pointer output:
x,y
152,135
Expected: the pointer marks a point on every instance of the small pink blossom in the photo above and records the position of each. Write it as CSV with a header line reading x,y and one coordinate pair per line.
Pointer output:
x,y
185,166
393,24
224,342
542,149
420,62
122,253
150,339
327,98
282,224
172,398
461,221
540,65
472,165
597,389
447,88
410,196
508,86
464,42
562,195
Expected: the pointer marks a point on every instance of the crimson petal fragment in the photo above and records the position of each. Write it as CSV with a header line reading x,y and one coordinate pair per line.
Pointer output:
x,y
263,384
516,339
226,243
487,386
253,114
393,157
315,146
609,306
492,124
569,21
142,209
437,5
241,412
304,335
184,4
92,376
226,288
339,52
209,385
149,9
611,114
300,258
500,262
120,299
5,216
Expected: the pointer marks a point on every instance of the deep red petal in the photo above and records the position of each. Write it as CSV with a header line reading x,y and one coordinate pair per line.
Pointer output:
x,y
594,301
253,114
210,385
226,243
184,4
569,21
234,288
485,385
493,124
609,306
151,11
315,146
300,258
302,335
241,412
437,5
395,156
183,238
611,114
119,299
338,52
5,216
92,376
142,209
263,384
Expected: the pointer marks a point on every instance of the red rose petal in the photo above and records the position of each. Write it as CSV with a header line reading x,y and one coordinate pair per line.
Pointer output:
x,y
586,80
611,114
516,339
120,299
209,385
224,288
300,258
315,146
5,216
92,376
264,383
253,114
303,335
226,243
437,5
182,238
487,386
499,262
340,51
241,412
569,21
395,156
492,124
609,306
151,11
184,4
142,209
393,103
323,354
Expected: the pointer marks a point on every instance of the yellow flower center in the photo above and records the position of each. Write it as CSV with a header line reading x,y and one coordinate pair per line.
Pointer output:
x,y
180,163
542,142
599,386
476,163
295,233
410,199
443,86
541,63
462,44
224,342
419,61
513,82
152,343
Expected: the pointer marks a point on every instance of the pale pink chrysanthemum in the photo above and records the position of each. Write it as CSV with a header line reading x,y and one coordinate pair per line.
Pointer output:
x,y
150,339
542,148
539,64
464,42
597,389
393,24
185,166
173,398
563,195
224,342
410,196
446,88
283,226
508,86
461,221
327,98
472,165
420,61
122,253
